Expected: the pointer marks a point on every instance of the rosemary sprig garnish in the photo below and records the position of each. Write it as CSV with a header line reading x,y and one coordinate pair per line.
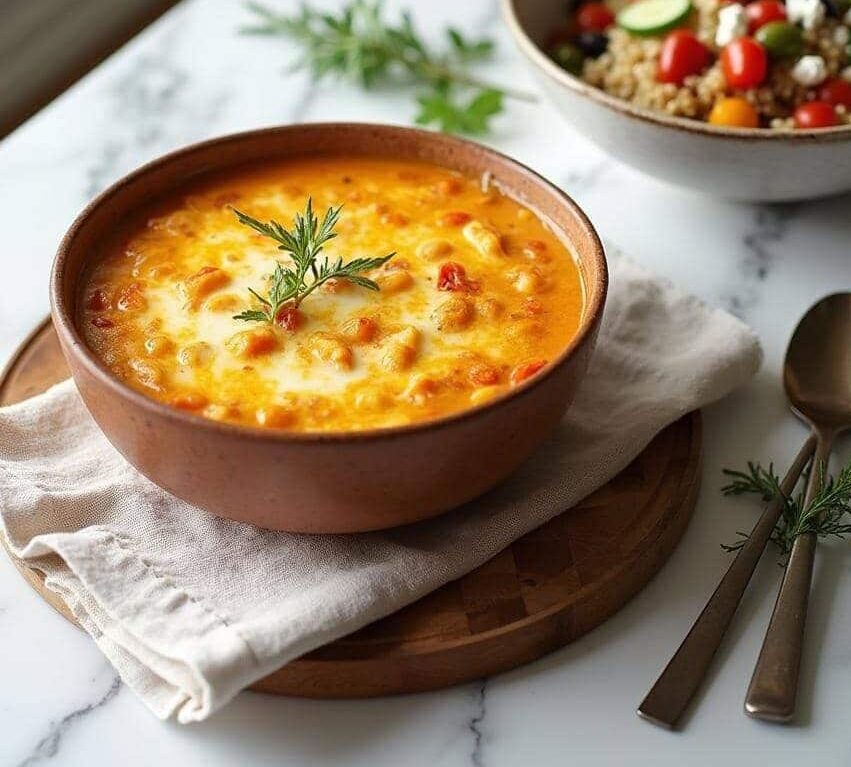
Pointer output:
x,y
361,45
828,515
291,284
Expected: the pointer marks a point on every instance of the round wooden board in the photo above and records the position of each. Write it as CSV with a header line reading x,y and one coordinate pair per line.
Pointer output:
x,y
545,590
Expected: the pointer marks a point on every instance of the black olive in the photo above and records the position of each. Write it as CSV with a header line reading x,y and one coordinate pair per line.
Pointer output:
x,y
836,8
593,43
568,57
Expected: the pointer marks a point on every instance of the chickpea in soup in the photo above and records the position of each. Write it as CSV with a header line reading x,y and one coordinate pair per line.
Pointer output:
x,y
464,294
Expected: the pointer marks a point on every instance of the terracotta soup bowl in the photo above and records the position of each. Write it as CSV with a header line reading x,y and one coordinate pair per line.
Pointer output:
x,y
328,482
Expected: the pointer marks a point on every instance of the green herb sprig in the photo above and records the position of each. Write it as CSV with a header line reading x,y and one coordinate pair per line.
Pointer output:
x,y
360,44
291,284
828,515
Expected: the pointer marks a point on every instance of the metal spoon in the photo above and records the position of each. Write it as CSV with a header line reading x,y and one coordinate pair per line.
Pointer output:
x,y
817,376
677,684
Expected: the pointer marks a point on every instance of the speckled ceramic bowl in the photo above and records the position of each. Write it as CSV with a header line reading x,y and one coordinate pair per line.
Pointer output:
x,y
329,482
742,164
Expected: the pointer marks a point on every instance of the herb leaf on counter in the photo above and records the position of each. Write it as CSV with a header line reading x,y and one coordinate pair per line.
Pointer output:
x,y
828,515
453,117
290,285
468,50
359,44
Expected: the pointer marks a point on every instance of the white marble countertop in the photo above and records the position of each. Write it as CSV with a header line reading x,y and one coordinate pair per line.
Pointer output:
x,y
190,76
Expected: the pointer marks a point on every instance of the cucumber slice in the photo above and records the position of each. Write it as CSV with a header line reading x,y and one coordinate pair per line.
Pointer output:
x,y
652,17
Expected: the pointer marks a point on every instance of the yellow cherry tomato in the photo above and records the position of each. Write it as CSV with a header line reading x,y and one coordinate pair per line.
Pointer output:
x,y
734,112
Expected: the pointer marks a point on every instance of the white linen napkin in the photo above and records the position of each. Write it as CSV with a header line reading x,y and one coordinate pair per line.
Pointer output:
x,y
190,609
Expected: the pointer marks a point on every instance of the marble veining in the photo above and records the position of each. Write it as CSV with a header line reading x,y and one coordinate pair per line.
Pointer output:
x,y
475,725
152,88
191,76
49,746
101,172
771,223
581,180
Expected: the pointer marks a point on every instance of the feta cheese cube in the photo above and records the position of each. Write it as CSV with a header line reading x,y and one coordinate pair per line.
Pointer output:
x,y
809,12
845,74
732,23
809,71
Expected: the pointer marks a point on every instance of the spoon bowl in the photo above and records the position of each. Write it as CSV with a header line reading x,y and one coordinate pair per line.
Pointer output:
x,y
817,370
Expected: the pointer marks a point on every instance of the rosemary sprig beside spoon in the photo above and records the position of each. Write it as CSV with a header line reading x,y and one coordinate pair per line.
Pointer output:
x,y
292,283
827,515
360,44
667,699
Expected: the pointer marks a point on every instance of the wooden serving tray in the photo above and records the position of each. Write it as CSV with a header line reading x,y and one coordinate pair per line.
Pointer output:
x,y
545,590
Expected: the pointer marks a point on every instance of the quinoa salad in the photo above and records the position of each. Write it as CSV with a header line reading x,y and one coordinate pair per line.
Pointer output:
x,y
760,64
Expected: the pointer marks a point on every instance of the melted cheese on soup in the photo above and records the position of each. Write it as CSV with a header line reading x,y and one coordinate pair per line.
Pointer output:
x,y
480,296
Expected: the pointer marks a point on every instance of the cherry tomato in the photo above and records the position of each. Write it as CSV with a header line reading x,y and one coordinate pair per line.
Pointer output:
x,y
525,371
734,112
453,277
98,301
289,317
682,55
744,63
594,17
189,401
836,92
455,218
763,12
815,114
482,374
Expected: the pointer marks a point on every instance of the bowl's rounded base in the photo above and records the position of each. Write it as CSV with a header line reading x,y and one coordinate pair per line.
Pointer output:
x,y
742,169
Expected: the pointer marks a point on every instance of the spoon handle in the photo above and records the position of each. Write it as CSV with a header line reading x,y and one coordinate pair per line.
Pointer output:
x,y
774,685
676,685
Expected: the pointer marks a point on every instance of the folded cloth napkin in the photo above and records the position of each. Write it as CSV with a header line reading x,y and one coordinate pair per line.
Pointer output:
x,y
191,609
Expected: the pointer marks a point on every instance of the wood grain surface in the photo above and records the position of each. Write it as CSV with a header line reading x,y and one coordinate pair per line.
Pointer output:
x,y
545,590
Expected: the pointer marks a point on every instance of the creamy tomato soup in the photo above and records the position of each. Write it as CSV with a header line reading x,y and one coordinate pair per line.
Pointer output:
x,y
479,296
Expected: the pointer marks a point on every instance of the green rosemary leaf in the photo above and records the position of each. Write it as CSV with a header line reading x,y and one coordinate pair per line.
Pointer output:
x,y
465,50
363,282
441,108
252,315
291,284
756,480
260,298
827,515
360,44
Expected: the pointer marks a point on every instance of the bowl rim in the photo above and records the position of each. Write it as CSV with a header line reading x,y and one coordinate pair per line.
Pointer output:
x,y
64,320
537,56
